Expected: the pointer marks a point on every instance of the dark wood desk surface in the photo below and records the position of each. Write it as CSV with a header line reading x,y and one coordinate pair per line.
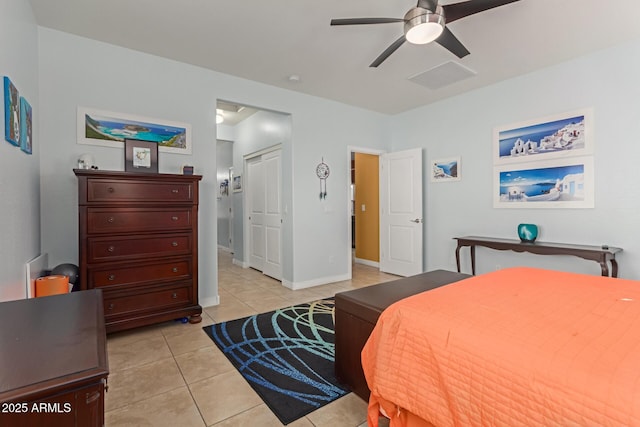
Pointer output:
x,y
49,342
601,254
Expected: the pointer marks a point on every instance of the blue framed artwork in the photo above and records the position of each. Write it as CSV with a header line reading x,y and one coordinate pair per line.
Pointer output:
x,y
110,129
562,135
11,112
559,183
26,126
446,170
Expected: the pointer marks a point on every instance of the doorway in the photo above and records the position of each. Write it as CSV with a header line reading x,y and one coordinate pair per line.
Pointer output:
x,y
366,209
363,215
253,131
400,211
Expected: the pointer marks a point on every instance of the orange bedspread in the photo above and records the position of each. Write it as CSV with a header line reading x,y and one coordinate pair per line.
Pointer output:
x,y
517,347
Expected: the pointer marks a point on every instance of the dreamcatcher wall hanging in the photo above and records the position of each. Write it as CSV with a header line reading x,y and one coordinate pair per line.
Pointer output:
x,y
322,170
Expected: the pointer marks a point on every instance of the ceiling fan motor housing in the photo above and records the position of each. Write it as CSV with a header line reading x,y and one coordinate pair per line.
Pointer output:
x,y
423,26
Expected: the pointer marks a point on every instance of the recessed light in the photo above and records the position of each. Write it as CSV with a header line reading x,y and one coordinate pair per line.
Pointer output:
x,y
294,78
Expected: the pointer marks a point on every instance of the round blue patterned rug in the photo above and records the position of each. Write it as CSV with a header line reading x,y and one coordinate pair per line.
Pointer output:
x,y
286,355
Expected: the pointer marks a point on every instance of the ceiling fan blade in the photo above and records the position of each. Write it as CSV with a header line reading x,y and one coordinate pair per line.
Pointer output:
x,y
428,4
456,11
388,51
451,42
364,21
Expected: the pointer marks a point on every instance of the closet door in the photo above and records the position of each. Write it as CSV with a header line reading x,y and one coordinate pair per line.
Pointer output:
x,y
272,214
256,211
264,181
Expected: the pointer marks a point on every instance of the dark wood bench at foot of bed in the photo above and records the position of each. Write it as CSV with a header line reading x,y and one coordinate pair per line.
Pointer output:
x,y
357,312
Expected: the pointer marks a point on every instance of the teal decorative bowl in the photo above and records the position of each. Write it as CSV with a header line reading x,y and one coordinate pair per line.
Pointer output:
x,y
527,232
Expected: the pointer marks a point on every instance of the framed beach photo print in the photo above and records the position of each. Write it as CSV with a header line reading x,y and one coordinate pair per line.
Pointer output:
x,y
110,129
444,170
559,183
568,134
140,156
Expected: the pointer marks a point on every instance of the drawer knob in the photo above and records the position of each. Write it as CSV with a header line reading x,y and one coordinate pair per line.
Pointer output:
x,y
111,219
174,269
174,244
174,295
111,248
91,397
111,306
112,277
175,191
110,190
174,218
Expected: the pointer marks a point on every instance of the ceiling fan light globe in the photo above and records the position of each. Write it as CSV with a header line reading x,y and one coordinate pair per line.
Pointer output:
x,y
424,28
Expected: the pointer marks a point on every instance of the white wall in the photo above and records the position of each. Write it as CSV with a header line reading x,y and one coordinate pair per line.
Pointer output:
x,y
19,172
606,81
224,160
76,71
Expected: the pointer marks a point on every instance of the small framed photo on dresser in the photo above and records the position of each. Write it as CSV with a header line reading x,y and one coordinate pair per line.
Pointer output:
x,y
140,156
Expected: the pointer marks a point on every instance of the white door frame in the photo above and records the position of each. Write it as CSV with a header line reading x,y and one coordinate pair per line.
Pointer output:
x,y
363,150
245,182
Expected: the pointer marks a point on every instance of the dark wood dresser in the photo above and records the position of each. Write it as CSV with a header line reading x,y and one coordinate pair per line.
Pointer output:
x,y
53,361
139,244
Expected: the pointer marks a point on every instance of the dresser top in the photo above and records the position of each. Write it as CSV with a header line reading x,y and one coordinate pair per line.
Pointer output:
x,y
50,340
97,173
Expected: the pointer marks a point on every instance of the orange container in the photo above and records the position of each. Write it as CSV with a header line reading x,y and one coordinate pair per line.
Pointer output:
x,y
52,285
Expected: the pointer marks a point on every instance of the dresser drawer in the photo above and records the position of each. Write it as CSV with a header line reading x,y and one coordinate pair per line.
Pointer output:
x,y
154,299
104,220
140,273
101,190
104,249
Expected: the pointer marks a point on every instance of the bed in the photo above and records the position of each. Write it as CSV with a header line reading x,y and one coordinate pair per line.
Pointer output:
x,y
516,347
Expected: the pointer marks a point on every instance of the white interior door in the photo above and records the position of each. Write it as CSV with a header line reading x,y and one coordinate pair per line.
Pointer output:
x,y
401,224
263,187
255,188
272,214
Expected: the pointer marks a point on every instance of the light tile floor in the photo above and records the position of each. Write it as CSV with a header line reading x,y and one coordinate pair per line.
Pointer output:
x,y
172,374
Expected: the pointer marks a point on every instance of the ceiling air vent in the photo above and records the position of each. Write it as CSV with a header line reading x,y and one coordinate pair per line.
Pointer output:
x,y
443,75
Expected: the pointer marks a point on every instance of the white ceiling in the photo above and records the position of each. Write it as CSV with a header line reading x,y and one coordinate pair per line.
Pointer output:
x,y
269,40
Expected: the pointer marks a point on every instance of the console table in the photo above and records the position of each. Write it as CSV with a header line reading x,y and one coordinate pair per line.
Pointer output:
x,y
600,254
53,363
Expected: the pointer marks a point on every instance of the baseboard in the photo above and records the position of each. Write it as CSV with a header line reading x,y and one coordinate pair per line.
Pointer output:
x,y
224,249
367,262
240,263
315,282
208,302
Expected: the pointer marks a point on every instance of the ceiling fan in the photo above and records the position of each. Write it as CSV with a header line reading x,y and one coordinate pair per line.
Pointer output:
x,y
427,22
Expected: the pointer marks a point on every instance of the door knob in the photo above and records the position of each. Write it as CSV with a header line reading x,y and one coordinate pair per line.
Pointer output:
x,y
417,220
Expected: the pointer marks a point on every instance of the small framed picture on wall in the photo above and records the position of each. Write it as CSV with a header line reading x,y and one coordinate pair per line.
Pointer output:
x,y
237,183
446,170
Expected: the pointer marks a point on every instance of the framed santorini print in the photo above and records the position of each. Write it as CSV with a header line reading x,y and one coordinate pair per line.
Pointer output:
x,y
140,156
558,183
26,126
109,129
563,135
11,112
446,170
